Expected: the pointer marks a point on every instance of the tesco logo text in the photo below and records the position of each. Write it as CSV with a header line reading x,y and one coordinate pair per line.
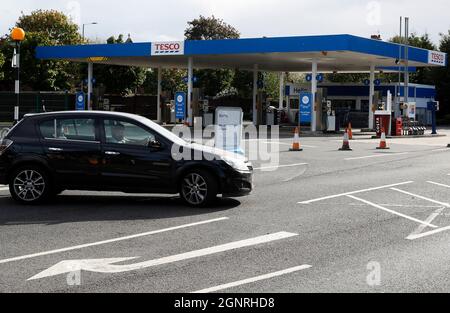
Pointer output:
x,y
437,58
167,48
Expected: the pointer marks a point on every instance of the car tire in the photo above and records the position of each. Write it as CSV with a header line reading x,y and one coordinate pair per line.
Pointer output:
x,y
30,185
198,188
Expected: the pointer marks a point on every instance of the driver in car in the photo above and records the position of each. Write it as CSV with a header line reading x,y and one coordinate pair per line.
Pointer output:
x,y
118,134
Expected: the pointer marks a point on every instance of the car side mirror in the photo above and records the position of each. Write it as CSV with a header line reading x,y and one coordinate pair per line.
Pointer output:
x,y
155,144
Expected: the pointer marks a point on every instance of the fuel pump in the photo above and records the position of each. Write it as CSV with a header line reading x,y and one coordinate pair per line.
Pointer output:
x,y
328,116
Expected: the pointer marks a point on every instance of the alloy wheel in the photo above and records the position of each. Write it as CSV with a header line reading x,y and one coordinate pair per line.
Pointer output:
x,y
194,189
29,185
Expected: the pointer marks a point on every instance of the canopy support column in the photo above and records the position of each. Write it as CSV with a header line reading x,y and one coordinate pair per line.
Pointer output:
x,y
371,96
255,94
189,95
281,97
158,110
314,92
90,77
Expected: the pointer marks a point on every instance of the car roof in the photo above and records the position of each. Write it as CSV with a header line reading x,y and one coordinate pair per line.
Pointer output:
x,y
89,113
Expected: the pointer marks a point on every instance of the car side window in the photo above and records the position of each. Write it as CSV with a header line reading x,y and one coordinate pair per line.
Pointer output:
x,y
69,129
126,133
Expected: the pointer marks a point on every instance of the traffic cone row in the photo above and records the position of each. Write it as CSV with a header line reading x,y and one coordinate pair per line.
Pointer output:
x,y
346,143
296,144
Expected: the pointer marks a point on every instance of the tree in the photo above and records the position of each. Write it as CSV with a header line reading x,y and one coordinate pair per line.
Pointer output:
x,y
2,61
122,80
211,28
423,75
441,78
43,28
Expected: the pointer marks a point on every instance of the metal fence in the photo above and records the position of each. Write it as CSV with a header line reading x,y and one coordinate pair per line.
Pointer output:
x,y
37,102
34,102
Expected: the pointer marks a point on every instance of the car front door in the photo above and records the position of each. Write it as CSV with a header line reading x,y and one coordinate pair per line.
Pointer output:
x,y
73,149
130,163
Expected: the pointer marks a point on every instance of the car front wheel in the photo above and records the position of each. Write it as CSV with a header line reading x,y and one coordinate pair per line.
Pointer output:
x,y
198,188
29,185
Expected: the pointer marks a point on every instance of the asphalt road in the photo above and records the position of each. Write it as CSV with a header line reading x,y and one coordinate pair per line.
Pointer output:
x,y
324,221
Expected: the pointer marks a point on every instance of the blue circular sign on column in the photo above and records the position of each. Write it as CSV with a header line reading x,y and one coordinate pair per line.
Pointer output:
x,y
194,79
180,105
80,101
377,82
319,78
366,82
308,77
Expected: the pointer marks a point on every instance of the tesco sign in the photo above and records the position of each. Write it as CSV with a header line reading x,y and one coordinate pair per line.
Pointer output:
x,y
438,58
168,48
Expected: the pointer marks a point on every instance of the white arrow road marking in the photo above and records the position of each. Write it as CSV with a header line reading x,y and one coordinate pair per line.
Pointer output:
x,y
392,212
29,256
107,265
254,279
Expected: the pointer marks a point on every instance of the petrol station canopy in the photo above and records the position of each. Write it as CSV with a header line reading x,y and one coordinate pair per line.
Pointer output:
x,y
333,53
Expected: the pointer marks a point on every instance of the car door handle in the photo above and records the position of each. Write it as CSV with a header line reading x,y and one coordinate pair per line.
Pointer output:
x,y
55,149
112,153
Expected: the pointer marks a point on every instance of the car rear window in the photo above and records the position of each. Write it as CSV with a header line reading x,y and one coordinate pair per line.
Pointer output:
x,y
69,129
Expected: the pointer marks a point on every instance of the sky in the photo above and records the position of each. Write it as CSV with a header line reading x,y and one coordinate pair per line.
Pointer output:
x,y
165,20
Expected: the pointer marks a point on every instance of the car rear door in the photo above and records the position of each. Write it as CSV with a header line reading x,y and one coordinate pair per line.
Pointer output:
x,y
72,146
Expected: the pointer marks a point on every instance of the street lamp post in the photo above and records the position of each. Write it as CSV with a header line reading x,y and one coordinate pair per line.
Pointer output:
x,y
82,32
17,35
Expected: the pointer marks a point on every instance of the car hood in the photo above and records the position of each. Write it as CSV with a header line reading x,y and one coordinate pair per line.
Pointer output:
x,y
217,152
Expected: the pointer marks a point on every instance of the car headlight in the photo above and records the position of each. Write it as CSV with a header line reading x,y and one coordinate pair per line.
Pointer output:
x,y
238,165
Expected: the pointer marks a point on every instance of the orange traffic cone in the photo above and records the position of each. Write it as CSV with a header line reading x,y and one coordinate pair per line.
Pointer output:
x,y
296,143
383,144
350,132
346,144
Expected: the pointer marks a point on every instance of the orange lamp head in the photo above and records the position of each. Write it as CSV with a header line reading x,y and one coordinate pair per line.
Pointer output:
x,y
17,34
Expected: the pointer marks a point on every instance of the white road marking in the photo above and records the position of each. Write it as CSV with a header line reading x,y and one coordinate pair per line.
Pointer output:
x,y
402,205
354,192
447,205
376,156
280,166
107,265
4,188
34,255
430,219
254,279
288,144
440,150
393,212
438,184
432,232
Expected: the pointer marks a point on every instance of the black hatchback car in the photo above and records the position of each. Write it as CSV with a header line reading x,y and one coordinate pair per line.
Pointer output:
x,y
45,154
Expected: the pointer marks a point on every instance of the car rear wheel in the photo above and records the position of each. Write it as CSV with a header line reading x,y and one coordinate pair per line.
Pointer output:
x,y
30,185
198,188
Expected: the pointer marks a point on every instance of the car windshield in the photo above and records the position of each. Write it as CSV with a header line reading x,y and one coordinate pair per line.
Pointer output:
x,y
162,131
